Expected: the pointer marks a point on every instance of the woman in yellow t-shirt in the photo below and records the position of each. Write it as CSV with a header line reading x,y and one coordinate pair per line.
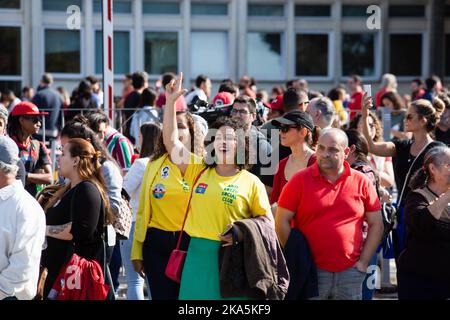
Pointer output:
x,y
163,201
225,193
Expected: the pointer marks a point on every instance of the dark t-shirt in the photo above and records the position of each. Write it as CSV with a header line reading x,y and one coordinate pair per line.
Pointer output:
x,y
34,155
131,102
427,249
443,136
402,162
84,204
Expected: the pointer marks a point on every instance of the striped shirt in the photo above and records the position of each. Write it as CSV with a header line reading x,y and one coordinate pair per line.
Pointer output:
x,y
120,148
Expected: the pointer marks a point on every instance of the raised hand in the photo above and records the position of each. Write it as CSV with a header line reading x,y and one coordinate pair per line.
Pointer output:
x,y
174,90
366,104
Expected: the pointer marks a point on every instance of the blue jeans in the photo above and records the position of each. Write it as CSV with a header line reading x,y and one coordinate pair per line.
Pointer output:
x,y
344,285
135,283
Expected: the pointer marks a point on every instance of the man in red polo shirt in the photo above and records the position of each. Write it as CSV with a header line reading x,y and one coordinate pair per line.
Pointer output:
x,y
328,202
354,105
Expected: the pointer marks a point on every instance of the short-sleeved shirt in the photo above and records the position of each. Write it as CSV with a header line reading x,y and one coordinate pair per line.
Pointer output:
x,y
34,155
218,201
330,215
170,192
355,104
120,148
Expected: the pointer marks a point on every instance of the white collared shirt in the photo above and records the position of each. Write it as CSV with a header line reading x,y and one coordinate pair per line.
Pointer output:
x,y
22,234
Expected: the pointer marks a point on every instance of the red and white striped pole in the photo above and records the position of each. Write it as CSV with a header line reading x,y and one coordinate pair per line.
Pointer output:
x,y
108,74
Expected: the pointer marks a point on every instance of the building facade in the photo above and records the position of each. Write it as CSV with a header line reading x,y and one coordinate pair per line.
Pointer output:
x,y
322,41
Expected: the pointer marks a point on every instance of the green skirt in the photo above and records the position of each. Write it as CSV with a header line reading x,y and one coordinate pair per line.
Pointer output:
x,y
200,278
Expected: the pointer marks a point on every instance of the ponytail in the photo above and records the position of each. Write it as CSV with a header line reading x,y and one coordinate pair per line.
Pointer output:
x,y
420,179
313,137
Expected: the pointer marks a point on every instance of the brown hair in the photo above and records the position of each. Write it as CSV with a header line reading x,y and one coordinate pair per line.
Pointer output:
x,y
378,129
89,169
197,139
425,110
396,100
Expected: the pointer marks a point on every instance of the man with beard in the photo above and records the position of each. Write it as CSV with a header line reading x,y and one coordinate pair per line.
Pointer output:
x,y
328,203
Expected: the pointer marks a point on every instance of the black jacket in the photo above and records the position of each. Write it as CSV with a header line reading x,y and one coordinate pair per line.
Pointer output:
x,y
303,271
255,267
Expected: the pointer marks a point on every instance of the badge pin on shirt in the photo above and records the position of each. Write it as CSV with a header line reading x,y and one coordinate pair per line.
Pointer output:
x,y
165,172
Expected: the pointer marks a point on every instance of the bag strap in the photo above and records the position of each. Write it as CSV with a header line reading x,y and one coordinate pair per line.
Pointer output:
x,y
188,206
409,172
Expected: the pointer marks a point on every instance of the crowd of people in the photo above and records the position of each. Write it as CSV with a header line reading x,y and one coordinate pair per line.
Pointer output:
x,y
293,194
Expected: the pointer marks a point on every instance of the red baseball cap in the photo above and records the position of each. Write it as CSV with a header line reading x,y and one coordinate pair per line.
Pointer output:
x,y
223,98
277,103
26,108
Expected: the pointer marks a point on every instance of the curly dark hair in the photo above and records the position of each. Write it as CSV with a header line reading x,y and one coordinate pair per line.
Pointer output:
x,y
378,129
235,124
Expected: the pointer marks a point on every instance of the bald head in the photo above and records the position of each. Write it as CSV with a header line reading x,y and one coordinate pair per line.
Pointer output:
x,y
336,134
332,150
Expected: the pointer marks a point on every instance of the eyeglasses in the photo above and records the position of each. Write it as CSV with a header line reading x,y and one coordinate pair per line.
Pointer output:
x,y
239,111
286,128
32,118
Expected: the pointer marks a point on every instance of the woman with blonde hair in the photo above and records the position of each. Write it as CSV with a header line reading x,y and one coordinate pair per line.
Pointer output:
x,y
77,212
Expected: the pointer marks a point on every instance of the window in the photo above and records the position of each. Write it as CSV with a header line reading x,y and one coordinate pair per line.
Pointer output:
x,y
9,4
10,63
119,6
406,11
406,54
209,52
62,51
15,86
358,55
265,10
312,55
59,5
312,10
159,7
264,58
121,52
354,11
447,55
214,9
161,52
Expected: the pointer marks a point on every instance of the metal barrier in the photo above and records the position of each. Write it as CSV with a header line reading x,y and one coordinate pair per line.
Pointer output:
x,y
118,123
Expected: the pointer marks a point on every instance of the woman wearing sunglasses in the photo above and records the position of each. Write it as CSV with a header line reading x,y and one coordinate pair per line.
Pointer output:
x,y
298,133
24,122
421,119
